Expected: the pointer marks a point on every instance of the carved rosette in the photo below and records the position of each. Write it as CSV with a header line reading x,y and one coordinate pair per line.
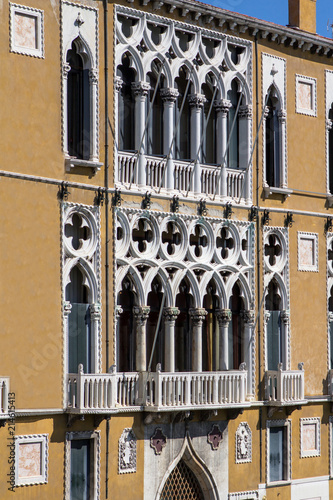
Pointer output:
x,y
198,316
127,452
223,316
243,444
215,437
196,100
158,441
141,314
222,106
170,314
140,89
169,95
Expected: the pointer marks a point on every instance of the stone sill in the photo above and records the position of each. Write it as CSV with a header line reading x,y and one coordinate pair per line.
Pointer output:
x,y
285,192
71,163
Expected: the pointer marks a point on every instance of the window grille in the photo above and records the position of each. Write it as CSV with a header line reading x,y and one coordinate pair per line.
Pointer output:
x,y
182,484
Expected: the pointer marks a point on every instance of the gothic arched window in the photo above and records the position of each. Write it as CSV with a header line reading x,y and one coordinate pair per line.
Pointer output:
x,y
236,329
272,143
78,105
183,135
126,106
233,138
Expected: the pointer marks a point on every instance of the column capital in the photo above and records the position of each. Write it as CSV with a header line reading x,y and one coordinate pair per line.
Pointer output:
x,y
198,315
285,316
170,313
248,317
282,115
223,316
245,111
118,311
140,89
141,313
267,315
65,70
118,83
67,308
329,124
93,76
169,95
95,311
222,106
196,100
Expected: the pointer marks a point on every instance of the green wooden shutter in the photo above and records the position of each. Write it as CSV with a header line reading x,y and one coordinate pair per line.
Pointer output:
x,y
80,469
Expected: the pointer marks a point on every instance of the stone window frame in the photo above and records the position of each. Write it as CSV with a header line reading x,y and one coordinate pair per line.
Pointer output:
x,y
43,477
39,16
312,236
313,82
317,451
279,423
95,466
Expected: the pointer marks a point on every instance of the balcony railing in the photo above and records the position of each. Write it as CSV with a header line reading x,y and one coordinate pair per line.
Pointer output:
x,y
4,391
165,390
100,393
284,387
229,184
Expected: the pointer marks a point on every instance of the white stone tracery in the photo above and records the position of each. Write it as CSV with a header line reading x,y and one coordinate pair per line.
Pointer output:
x,y
204,54
84,254
276,268
223,262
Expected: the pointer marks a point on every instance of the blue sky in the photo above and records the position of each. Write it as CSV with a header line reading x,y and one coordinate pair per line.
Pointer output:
x,y
277,11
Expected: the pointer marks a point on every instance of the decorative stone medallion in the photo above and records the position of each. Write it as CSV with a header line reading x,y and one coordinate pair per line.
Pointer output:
x,y
215,437
158,441
243,444
127,452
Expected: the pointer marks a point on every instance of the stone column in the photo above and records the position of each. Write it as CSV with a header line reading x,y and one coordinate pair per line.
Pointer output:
x,y
196,102
141,315
282,116
285,318
224,317
245,117
169,98
93,80
197,317
140,90
65,70
118,83
249,319
222,107
95,318
170,316
118,312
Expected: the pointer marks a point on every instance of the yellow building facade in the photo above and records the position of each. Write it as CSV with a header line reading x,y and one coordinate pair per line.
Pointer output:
x,y
166,252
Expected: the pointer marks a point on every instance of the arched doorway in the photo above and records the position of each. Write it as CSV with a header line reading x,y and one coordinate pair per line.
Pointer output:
x,y
182,483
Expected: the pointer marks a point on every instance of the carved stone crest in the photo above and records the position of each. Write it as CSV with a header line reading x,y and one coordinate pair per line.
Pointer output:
x,y
158,441
127,452
215,437
243,444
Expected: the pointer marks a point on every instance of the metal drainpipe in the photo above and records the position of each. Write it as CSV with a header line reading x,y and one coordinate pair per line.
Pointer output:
x,y
106,183
258,256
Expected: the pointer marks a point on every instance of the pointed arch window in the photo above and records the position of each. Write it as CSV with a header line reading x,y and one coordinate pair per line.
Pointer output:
x,y
182,483
234,137
78,103
236,329
330,149
210,331
155,123
274,328
80,339
184,302
273,142
126,106
154,302
208,127
183,134
330,323
126,338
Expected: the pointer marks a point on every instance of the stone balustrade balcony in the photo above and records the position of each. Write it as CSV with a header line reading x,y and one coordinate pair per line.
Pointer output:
x,y
4,391
187,178
285,387
156,391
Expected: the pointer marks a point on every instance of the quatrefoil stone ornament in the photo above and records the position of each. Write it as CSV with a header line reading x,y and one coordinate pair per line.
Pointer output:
x,y
158,441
